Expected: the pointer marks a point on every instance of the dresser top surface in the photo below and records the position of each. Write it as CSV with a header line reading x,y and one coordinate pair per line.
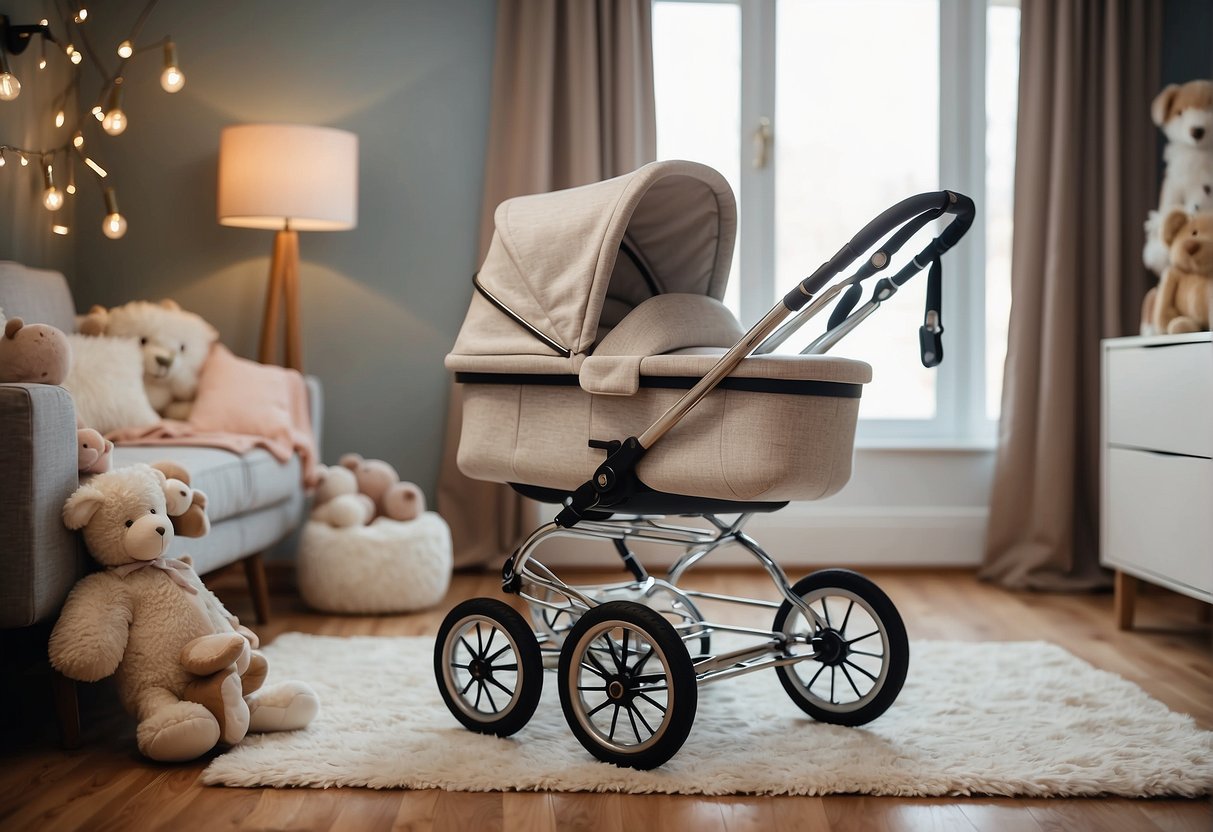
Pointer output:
x,y
1155,340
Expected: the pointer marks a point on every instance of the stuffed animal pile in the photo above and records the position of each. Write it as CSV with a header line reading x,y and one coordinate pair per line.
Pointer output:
x,y
42,354
186,668
174,345
1185,116
358,491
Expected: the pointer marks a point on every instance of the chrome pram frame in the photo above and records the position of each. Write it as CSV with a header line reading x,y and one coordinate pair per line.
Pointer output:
x,y
588,628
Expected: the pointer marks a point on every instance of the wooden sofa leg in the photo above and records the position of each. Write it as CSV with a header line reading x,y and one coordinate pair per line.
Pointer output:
x,y
67,706
254,572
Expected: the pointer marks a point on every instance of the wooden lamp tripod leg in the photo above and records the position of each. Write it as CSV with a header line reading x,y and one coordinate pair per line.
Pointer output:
x,y
283,287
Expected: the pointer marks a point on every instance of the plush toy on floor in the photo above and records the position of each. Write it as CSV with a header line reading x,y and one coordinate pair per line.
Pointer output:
x,y
1185,293
379,481
185,666
174,342
1184,113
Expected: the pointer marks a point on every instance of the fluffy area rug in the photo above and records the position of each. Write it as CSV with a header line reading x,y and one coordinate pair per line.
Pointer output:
x,y
1017,718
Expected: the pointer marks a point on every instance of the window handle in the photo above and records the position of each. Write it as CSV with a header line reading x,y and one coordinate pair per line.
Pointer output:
x,y
762,143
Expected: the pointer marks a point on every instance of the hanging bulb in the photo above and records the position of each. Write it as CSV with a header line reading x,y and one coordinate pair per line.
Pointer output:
x,y
126,49
172,79
82,15
52,197
71,176
73,54
3,161
42,50
10,87
78,140
97,169
61,230
24,161
115,120
59,118
114,224
98,113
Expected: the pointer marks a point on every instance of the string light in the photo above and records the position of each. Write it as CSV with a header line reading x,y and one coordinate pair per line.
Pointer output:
x,y
52,197
114,122
172,79
114,224
108,109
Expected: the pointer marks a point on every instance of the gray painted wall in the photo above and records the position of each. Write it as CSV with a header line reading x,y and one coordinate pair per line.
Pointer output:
x,y
381,304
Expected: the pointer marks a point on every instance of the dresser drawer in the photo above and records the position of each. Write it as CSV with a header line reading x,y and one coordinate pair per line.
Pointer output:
x,y
1160,398
1159,516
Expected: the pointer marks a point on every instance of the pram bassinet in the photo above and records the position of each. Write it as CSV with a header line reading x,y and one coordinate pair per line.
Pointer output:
x,y
596,309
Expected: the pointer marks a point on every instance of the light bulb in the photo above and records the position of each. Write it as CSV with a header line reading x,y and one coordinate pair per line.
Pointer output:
x,y
98,113
113,226
59,118
125,49
52,198
10,87
24,161
42,63
61,230
71,187
78,140
172,79
3,161
114,122
76,57
82,15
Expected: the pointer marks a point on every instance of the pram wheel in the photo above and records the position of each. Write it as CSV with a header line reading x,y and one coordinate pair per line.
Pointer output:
x,y
627,685
864,652
488,667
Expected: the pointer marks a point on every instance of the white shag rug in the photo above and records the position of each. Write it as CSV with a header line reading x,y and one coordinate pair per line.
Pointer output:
x,y
996,718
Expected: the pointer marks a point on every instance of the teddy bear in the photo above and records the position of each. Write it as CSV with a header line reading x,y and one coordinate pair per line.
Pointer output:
x,y
94,453
336,500
174,342
378,480
1185,115
36,354
1182,300
185,667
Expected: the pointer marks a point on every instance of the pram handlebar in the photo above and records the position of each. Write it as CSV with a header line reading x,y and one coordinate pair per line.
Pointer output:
x,y
615,479
939,202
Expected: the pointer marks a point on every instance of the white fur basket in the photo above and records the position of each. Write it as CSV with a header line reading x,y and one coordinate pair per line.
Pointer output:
x,y
388,566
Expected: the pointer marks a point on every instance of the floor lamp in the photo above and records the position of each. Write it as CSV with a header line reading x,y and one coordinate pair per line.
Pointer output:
x,y
290,178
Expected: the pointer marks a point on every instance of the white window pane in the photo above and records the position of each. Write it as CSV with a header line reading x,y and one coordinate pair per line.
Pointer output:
x,y
697,76
857,129
1002,103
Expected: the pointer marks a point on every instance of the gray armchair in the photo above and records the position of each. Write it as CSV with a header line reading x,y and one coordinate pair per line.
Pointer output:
x,y
254,501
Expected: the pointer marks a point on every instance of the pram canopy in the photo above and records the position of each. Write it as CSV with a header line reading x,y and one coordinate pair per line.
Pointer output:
x,y
563,268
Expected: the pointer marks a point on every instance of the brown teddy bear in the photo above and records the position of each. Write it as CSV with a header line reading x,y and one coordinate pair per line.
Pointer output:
x,y
34,354
185,667
1181,303
393,498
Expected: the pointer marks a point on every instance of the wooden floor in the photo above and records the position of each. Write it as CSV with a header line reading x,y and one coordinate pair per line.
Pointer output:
x,y
106,785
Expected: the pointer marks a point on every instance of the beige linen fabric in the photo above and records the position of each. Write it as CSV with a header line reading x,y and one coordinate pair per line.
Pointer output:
x,y
1083,184
572,104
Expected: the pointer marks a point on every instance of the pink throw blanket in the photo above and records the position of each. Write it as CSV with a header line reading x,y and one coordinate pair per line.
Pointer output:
x,y
241,405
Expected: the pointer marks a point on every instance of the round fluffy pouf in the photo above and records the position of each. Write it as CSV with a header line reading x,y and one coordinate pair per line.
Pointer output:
x,y
388,566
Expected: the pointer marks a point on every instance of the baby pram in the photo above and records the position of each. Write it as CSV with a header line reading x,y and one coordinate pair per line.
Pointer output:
x,y
601,372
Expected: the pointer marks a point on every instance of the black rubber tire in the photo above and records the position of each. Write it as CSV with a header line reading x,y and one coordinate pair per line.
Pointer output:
x,y
529,667
682,693
896,656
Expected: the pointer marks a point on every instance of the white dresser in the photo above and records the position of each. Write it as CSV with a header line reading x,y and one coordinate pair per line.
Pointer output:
x,y
1157,438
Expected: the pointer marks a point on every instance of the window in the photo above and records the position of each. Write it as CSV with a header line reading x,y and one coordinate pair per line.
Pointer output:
x,y
821,113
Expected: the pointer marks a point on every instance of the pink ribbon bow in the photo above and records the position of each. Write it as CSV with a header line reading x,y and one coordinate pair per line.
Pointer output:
x,y
172,566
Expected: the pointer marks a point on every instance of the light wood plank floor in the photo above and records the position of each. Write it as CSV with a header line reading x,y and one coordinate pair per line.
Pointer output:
x,y
106,785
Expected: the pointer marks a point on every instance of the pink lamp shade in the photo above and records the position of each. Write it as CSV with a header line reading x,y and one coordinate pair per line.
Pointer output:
x,y
293,176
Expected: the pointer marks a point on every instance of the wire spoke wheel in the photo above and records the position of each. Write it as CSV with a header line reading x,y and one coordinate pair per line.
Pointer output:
x,y
488,667
627,685
861,653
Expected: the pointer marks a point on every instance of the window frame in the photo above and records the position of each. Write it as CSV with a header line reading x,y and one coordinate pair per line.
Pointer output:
x,y
960,419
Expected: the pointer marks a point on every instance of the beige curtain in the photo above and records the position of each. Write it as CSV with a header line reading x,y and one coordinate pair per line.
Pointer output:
x,y
572,104
1084,180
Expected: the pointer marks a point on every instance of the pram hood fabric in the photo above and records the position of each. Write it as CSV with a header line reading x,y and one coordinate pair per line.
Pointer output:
x,y
555,258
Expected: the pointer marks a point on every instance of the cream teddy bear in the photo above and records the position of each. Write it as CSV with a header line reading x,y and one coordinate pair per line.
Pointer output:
x,y
1184,113
184,665
393,498
174,342
336,500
